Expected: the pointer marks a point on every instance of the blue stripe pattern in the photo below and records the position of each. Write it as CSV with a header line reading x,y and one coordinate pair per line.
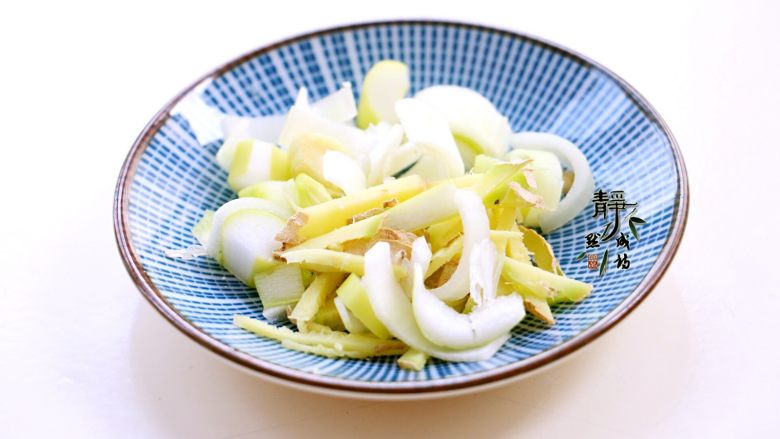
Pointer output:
x,y
538,87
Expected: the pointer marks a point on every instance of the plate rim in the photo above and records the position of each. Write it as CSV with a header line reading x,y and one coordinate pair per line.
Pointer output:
x,y
354,388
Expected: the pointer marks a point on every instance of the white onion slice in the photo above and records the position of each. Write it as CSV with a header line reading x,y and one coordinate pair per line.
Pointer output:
x,y
394,310
490,319
476,228
471,117
484,270
343,171
351,322
338,106
304,119
260,128
581,189
429,132
384,140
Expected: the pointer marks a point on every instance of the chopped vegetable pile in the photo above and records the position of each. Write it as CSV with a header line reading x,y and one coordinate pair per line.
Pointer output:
x,y
399,226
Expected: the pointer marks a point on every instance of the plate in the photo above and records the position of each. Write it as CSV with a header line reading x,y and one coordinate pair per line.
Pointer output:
x,y
170,177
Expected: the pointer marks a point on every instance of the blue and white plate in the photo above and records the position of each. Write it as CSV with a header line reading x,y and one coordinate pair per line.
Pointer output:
x,y
170,177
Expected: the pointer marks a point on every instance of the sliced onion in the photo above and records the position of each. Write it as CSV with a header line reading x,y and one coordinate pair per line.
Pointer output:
x,y
304,119
484,270
429,132
581,190
476,228
471,117
383,141
547,174
338,106
265,128
394,310
343,171
489,320
351,322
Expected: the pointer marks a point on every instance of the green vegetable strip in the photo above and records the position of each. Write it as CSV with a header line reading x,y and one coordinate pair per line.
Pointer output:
x,y
361,229
413,359
324,217
202,229
332,261
315,295
354,297
543,253
334,352
543,284
327,317
361,343
443,255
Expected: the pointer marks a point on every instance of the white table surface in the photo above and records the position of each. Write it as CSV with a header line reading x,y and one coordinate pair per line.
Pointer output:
x,y
83,355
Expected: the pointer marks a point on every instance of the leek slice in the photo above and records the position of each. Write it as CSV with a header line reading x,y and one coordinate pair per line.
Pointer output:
x,y
281,285
214,244
337,107
236,129
248,243
202,228
343,172
277,192
310,191
383,158
548,178
307,156
385,83
256,161
413,359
